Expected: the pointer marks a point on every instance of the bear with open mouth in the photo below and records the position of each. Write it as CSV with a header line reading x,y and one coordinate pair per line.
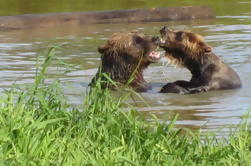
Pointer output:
x,y
208,71
124,58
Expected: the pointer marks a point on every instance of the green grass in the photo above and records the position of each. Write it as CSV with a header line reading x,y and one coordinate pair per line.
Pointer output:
x,y
39,127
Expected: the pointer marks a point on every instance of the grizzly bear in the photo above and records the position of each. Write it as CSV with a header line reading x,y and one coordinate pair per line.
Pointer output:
x,y
124,57
208,71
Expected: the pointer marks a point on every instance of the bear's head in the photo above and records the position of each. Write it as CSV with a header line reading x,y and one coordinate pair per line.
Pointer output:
x,y
129,49
181,46
124,56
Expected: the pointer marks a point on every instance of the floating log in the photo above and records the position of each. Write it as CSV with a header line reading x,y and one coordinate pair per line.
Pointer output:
x,y
104,17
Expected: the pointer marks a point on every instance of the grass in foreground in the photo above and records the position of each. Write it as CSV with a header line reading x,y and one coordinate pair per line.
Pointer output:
x,y
39,127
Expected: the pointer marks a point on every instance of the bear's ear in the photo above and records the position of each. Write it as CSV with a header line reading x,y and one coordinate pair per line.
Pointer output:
x,y
103,49
206,48
137,39
181,36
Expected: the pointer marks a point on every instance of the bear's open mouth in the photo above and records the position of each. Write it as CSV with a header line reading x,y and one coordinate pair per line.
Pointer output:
x,y
154,56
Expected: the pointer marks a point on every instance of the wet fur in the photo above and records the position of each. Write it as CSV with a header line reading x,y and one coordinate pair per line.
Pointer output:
x,y
124,56
208,71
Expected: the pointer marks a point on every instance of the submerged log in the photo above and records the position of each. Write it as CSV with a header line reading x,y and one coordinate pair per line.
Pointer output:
x,y
104,17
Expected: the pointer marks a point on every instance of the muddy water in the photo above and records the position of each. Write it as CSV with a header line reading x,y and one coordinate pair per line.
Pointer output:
x,y
230,35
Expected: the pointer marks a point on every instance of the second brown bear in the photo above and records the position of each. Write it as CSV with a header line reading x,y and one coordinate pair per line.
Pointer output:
x,y
208,71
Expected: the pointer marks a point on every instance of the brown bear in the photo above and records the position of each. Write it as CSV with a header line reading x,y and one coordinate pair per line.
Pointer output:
x,y
124,57
208,71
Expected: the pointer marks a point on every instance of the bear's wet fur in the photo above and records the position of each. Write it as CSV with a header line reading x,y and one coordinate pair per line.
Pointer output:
x,y
124,57
208,71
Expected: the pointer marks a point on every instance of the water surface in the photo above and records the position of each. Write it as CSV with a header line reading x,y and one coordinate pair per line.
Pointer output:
x,y
229,34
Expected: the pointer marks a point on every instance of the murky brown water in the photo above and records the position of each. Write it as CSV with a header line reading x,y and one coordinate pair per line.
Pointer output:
x,y
229,35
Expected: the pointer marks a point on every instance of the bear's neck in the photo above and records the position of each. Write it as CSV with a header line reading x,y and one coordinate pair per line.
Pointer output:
x,y
123,73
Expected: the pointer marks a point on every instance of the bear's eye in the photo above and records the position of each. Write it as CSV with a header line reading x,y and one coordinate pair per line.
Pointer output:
x,y
137,39
179,36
